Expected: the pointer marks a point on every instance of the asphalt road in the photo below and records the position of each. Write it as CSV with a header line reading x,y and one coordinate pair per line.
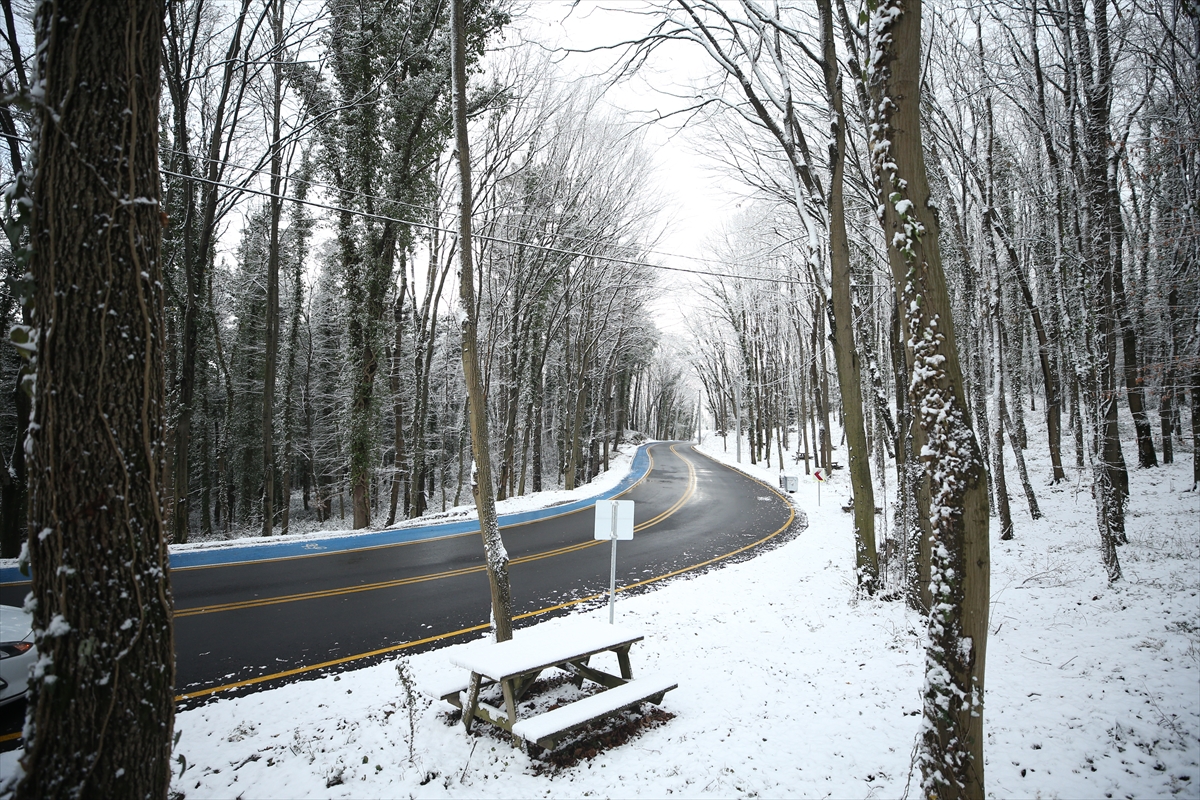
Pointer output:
x,y
243,625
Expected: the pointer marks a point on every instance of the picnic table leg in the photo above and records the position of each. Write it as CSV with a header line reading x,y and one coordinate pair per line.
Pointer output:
x,y
510,702
577,677
472,701
623,660
521,687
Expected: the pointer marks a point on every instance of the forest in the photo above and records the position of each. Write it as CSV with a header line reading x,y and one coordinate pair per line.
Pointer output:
x,y
953,221
308,242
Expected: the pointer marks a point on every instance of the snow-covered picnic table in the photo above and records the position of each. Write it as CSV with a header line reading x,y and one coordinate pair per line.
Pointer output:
x,y
517,663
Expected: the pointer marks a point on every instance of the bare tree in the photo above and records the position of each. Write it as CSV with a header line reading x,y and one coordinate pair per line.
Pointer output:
x,y
481,473
951,747
756,51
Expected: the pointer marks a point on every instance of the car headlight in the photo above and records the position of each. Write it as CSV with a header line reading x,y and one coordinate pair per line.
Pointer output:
x,y
10,649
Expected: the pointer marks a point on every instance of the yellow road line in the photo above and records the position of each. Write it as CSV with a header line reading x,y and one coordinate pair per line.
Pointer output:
x,y
474,628
369,587
688,491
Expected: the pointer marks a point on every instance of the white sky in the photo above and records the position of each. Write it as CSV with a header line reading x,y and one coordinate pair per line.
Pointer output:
x,y
695,199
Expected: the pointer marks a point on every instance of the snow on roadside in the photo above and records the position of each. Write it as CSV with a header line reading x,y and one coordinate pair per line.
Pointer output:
x,y
619,466
783,690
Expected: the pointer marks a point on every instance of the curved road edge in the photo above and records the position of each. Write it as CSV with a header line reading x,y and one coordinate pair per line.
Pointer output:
x,y
209,554
796,524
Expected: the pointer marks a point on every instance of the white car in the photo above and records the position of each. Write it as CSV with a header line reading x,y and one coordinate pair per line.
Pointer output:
x,y
17,652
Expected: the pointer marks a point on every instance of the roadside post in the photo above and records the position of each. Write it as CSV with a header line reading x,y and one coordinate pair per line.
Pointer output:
x,y
820,479
614,520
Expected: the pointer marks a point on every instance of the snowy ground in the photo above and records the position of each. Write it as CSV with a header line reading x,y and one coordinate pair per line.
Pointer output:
x,y
788,687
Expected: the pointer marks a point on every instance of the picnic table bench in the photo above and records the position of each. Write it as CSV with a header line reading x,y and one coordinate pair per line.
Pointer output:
x,y
517,663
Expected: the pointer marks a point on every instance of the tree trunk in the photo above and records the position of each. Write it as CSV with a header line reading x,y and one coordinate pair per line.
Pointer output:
x,y
999,480
1111,485
1196,428
196,278
398,443
1166,407
842,321
996,328
951,752
101,716
301,228
823,383
1053,398
1135,392
539,389
481,484
206,467
913,493
271,356
1035,512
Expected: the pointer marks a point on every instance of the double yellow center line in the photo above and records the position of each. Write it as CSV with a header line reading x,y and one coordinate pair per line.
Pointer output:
x,y
689,490
366,587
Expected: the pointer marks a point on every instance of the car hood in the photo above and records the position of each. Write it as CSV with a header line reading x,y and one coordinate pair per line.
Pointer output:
x,y
15,624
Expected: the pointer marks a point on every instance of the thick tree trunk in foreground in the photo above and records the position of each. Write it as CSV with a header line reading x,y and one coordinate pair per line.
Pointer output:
x,y
951,752
101,716
481,483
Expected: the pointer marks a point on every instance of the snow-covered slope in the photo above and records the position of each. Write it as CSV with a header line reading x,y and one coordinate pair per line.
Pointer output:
x,y
788,686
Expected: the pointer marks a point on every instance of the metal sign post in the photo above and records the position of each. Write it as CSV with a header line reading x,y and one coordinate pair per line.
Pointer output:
x,y
614,520
820,479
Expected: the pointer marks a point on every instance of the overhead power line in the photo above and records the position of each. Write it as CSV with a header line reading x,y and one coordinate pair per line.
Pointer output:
x,y
405,203
496,239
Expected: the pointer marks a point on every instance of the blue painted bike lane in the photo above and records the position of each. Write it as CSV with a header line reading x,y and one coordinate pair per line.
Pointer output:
x,y
339,542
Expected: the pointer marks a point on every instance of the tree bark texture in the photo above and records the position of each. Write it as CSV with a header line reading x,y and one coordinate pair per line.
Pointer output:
x,y
102,712
1195,428
951,752
999,480
1111,480
270,367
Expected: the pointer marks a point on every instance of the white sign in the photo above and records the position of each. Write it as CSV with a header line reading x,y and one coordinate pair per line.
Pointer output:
x,y
614,519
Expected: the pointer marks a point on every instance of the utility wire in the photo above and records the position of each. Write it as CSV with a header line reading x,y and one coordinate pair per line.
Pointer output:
x,y
454,233
495,239
415,206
